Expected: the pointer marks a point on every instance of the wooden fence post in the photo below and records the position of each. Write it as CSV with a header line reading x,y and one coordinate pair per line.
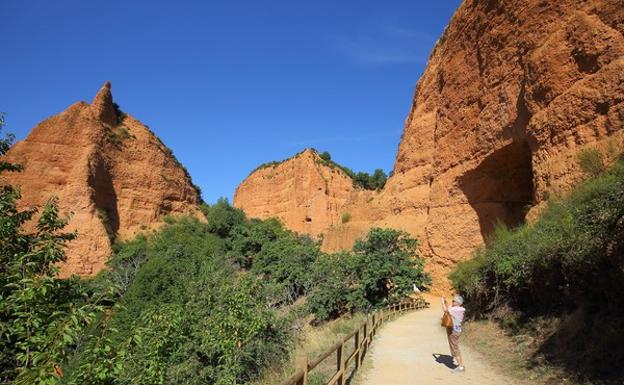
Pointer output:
x,y
304,379
358,351
340,361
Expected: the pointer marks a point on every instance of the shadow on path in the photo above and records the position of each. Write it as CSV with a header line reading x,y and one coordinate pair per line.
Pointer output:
x,y
444,359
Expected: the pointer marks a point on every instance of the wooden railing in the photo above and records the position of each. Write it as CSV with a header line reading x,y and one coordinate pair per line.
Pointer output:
x,y
362,338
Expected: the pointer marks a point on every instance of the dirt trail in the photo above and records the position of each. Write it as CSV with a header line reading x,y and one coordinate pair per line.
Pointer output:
x,y
403,353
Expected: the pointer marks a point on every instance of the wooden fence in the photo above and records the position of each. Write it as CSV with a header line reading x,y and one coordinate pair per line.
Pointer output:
x,y
362,338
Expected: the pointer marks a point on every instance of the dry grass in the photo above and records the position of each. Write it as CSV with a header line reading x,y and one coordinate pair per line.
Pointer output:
x,y
515,356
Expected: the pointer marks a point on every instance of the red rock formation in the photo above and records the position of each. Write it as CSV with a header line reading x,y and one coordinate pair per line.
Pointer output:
x,y
513,90
111,174
304,192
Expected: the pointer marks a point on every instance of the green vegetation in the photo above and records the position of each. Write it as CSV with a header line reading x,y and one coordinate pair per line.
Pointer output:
x,y
380,271
364,180
117,135
345,217
183,315
561,277
215,302
193,303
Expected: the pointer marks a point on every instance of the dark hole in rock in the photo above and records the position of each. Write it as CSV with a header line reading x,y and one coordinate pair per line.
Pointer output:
x,y
602,108
308,219
585,62
500,189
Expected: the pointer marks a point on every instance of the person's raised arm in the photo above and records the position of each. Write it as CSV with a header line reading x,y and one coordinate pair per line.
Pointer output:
x,y
443,300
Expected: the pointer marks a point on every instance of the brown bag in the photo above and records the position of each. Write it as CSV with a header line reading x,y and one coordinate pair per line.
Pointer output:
x,y
447,321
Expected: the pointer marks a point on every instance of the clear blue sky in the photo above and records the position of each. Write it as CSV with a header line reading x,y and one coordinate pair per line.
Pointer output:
x,y
227,85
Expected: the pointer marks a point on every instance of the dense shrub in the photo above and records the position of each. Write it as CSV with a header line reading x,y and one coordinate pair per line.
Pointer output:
x,y
335,289
559,256
364,180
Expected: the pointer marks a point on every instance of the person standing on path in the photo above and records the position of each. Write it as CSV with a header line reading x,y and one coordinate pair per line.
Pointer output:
x,y
456,310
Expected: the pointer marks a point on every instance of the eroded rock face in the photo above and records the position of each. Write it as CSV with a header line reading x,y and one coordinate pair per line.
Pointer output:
x,y
113,177
513,90
303,192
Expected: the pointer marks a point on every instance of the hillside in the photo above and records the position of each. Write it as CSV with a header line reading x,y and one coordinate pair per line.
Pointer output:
x,y
512,93
113,177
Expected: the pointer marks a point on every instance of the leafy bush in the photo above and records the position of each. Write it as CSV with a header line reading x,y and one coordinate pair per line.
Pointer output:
x,y
377,181
345,217
247,239
561,253
335,282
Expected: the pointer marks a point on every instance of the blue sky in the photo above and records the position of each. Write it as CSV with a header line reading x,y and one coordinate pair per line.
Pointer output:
x,y
227,85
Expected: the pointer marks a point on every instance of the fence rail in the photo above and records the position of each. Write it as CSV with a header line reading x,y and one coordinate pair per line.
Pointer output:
x,y
362,338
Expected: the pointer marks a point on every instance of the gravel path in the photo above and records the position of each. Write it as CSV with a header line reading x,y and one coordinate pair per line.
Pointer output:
x,y
403,353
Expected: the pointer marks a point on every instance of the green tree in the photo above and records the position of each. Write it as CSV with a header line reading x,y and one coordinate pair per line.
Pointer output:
x,y
388,265
222,217
380,271
286,264
248,239
377,181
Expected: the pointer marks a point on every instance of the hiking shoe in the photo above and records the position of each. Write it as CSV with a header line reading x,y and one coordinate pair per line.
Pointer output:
x,y
459,369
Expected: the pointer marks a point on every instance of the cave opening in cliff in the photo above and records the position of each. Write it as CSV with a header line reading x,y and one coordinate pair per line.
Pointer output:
x,y
500,189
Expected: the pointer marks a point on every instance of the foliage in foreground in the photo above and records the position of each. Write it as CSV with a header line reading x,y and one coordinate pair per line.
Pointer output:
x,y
187,317
569,265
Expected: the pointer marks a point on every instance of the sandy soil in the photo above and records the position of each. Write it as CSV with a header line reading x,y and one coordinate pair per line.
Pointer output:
x,y
413,349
